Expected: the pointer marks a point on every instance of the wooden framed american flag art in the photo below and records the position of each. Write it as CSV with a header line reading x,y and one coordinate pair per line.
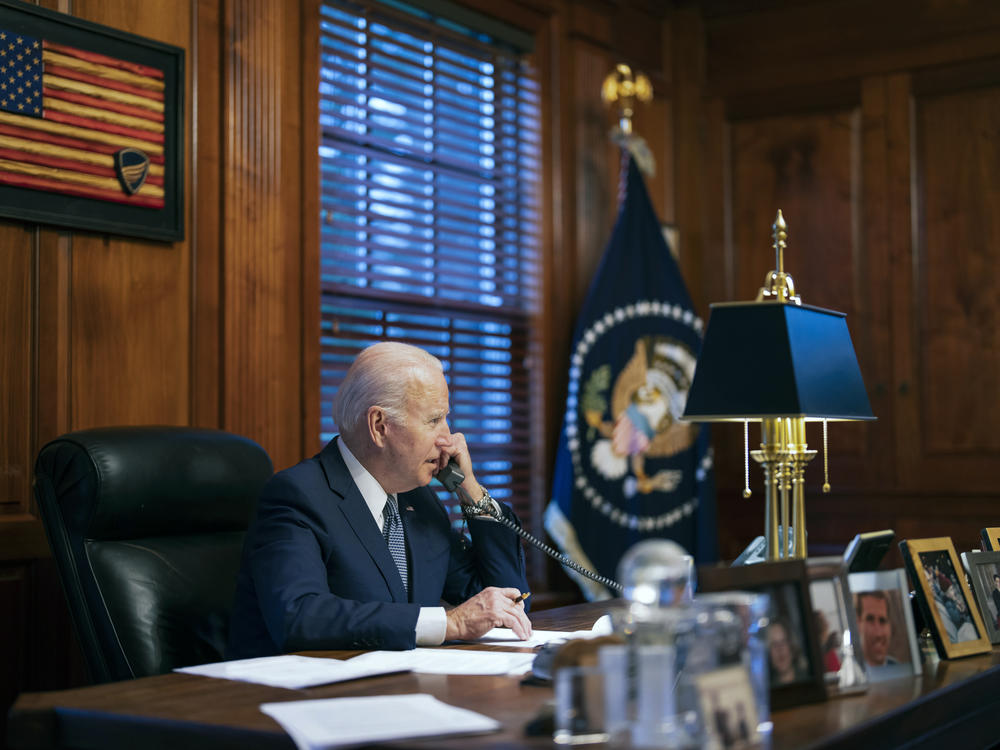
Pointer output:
x,y
91,126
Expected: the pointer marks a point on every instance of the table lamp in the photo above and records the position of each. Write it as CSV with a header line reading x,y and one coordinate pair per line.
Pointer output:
x,y
781,363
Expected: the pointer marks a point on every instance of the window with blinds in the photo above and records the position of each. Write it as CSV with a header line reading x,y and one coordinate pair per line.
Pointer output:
x,y
429,161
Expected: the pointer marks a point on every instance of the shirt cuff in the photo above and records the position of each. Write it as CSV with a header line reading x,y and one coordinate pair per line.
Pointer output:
x,y
432,626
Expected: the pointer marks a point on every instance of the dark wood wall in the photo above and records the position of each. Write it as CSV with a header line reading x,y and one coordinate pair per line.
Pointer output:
x,y
873,126
105,330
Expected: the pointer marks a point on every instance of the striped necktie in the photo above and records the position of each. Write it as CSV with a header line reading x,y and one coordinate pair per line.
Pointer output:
x,y
392,530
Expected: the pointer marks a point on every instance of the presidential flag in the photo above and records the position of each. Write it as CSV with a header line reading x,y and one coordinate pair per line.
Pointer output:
x,y
80,123
627,469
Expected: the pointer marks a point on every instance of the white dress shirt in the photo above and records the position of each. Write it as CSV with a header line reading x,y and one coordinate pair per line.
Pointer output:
x,y
432,622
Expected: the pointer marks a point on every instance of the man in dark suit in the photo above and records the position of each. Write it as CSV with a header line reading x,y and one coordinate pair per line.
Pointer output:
x,y
351,550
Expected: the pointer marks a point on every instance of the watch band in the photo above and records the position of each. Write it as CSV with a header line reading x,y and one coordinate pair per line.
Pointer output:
x,y
486,506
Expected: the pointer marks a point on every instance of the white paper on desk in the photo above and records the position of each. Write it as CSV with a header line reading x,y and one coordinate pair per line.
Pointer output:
x,y
448,661
541,637
289,671
506,637
334,722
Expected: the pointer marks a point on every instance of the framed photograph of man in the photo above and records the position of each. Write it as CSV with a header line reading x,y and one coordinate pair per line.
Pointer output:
x,y
836,626
944,597
795,666
984,572
881,603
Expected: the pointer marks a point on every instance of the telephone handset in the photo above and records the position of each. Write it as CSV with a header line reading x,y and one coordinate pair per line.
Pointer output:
x,y
451,476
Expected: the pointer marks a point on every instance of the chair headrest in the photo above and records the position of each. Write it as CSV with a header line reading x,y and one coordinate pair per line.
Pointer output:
x,y
133,482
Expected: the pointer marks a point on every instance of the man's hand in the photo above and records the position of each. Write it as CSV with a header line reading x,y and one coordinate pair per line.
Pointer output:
x,y
455,447
490,608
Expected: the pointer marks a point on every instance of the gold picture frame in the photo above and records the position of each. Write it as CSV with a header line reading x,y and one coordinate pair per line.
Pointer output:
x,y
990,538
945,600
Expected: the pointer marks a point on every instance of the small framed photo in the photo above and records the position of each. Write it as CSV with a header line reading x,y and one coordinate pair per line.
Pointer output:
x,y
794,662
984,572
881,603
728,708
944,597
836,626
989,538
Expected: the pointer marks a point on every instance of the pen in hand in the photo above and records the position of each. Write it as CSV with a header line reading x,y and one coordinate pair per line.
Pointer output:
x,y
522,597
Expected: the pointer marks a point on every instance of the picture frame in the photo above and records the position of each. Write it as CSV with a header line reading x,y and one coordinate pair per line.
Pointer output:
x,y
728,708
989,538
793,651
880,600
95,141
944,597
984,571
836,626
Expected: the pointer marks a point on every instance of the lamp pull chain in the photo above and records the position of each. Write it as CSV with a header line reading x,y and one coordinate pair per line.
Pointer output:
x,y
746,458
826,462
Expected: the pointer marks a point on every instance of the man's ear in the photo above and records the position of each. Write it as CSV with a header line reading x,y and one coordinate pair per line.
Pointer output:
x,y
377,425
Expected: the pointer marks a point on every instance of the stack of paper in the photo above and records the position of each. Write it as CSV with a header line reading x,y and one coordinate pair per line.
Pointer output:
x,y
447,661
541,637
334,722
290,671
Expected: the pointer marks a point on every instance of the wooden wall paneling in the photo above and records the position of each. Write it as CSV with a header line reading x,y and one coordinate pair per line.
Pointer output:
x,y
262,396
911,515
597,165
53,321
956,336
205,79
801,164
17,268
131,298
687,145
871,327
793,43
548,356
310,312
900,281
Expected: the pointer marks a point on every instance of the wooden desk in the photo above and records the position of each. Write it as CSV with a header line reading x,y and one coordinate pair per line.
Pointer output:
x,y
955,704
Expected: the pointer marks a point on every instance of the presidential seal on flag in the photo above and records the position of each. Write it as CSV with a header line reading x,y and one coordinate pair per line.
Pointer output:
x,y
638,415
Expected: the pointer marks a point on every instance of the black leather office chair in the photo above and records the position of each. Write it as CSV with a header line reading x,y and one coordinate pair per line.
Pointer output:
x,y
146,526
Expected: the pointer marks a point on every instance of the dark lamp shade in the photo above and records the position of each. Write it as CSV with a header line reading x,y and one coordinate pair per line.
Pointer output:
x,y
772,359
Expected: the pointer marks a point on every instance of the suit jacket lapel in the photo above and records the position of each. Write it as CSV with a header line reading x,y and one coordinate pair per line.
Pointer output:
x,y
359,517
422,538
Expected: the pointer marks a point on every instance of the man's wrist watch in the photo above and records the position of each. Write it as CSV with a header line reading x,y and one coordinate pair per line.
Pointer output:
x,y
486,506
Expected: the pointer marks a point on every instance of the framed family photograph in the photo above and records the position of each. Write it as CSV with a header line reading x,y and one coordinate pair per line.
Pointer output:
x,y
888,643
944,597
93,132
836,626
984,573
794,662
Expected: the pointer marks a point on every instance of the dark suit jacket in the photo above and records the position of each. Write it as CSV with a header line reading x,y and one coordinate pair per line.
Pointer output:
x,y
317,574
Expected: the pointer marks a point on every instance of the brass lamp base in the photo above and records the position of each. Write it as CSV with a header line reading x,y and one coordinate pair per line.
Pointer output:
x,y
784,454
